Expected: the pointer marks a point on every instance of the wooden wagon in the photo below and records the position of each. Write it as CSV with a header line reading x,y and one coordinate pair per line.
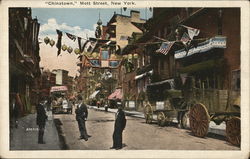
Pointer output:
x,y
165,100
195,108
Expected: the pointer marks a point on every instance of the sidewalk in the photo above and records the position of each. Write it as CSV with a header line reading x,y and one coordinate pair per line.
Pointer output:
x,y
213,128
26,135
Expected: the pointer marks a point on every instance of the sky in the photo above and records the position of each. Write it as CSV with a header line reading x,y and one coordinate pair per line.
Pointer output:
x,y
77,21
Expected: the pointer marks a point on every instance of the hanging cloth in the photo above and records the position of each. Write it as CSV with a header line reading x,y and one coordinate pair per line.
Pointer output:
x,y
81,44
72,37
59,42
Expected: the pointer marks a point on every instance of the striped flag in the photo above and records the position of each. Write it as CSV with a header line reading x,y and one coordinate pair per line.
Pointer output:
x,y
165,47
192,31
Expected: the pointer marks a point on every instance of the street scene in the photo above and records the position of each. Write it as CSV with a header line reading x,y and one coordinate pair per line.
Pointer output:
x,y
124,79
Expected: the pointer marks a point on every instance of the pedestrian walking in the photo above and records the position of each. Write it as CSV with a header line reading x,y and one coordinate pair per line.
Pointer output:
x,y
120,123
41,121
81,117
15,110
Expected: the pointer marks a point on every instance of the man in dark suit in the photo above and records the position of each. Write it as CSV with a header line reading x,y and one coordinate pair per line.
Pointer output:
x,y
41,121
81,116
120,123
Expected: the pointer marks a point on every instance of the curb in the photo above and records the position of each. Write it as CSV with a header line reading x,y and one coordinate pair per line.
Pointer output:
x,y
213,128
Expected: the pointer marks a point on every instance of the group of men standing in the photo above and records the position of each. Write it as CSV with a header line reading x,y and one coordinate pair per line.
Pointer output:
x,y
81,117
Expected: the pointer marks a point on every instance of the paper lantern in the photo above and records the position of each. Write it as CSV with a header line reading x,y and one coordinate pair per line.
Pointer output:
x,y
86,54
69,49
64,47
112,56
125,56
77,51
94,55
97,55
130,56
46,40
135,56
52,43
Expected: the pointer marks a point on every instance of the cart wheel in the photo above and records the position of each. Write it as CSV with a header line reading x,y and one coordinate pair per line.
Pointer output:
x,y
161,119
148,113
185,124
233,131
199,120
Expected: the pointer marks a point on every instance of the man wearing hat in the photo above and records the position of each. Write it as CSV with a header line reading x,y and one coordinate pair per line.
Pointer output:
x,y
41,120
81,116
120,123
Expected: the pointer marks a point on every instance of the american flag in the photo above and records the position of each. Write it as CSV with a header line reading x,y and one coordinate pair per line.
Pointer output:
x,y
165,47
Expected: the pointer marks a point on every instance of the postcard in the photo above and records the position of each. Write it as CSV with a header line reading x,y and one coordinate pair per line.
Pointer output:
x,y
124,79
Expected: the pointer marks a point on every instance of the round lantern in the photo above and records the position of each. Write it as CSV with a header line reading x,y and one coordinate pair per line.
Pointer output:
x,y
94,55
130,56
64,47
125,56
88,54
69,49
135,56
46,40
97,55
77,51
52,43
113,56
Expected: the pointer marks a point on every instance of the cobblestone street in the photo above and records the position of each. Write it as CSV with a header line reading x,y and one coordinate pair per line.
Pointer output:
x,y
137,135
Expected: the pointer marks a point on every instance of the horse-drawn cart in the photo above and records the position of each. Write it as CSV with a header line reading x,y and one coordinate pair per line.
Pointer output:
x,y
194,108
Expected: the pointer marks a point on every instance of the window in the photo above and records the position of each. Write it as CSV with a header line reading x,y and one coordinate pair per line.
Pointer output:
x,y
162,64
165,32
129,84
235,80
159,33
143,60
219,22
27,90
105,54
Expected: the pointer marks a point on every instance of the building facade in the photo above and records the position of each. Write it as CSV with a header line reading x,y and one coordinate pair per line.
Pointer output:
x,y
24,58
217,66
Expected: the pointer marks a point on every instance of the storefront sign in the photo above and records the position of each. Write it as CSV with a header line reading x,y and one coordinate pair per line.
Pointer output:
x,y
58,88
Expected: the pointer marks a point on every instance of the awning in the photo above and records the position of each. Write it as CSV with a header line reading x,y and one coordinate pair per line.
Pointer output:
x,y
143,75
205,65
117,94
58,88
94,94
170,81
215,42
